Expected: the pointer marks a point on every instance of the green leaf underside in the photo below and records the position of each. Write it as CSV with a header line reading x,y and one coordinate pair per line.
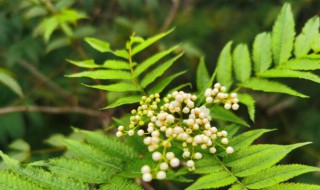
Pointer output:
x,y
224,68
11,83
275,73
301,64
108,145
103,46
242,62
158,71
275,175
148,42
116,87
92,154
162,84
248,161
78,169
248,100
153,60
294,186
202,76
119,183
124,100
283,35
270,86
262,53
10,181
305,39
218,112
42,177
214,180
104,74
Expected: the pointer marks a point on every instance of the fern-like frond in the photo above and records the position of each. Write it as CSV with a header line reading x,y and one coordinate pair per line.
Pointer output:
x,y
219,113
119,183
262,53
301,64
11,181
224,67
242,62
43,178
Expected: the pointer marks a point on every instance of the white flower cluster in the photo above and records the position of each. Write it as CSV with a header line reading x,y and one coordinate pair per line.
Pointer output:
x,y
175,120
218,94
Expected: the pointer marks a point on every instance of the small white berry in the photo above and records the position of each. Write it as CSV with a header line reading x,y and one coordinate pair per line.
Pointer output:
x,y
198,155
175,162
213,150
161,175
147,140
186,154
185,110
229,150
213,129
224,141
164,166
155,134
197,139
119,134
145,169
208,92
147,177
169,155
190,163
209,99
150,129
190,104
224,133
217,85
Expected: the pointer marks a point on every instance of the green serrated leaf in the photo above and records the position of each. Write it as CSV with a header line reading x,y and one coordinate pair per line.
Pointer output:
x,y
214,180
224,67
116,64
104,74
242,62
162,84
247,161
248,100
277,73
218,112
304,40
152,60
124,100
315,45
283,35
158,71
301,64
11,83
141,46
275,175
202,77
103,46
270,86
89,63
262,53
116,87
293,186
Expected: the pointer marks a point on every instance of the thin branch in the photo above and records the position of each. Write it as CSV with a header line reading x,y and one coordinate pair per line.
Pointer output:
x,y
44,79
53,110
171,15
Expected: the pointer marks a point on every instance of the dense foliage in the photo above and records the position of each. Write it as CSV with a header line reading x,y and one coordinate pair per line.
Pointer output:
x,y
161,135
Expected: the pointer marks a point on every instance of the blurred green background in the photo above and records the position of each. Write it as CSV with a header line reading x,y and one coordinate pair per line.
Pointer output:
x,y
34,52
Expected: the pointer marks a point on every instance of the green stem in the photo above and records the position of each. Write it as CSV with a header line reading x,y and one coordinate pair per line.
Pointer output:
x,y
227,170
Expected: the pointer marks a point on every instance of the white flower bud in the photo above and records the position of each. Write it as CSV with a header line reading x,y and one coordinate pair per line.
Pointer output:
x,y
229,150
147,177
209,99
185,110
224,133
190,163
174,162
120,128
227,106
213,150
145,169
170,118
186,154
235,106
119,134
197,139
223,89
198,155
147,140
156,156
140,132
217,85
213,129
224,141
155,134
161,175
208,92
131,132
164,166
169,155
177,129
190,104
